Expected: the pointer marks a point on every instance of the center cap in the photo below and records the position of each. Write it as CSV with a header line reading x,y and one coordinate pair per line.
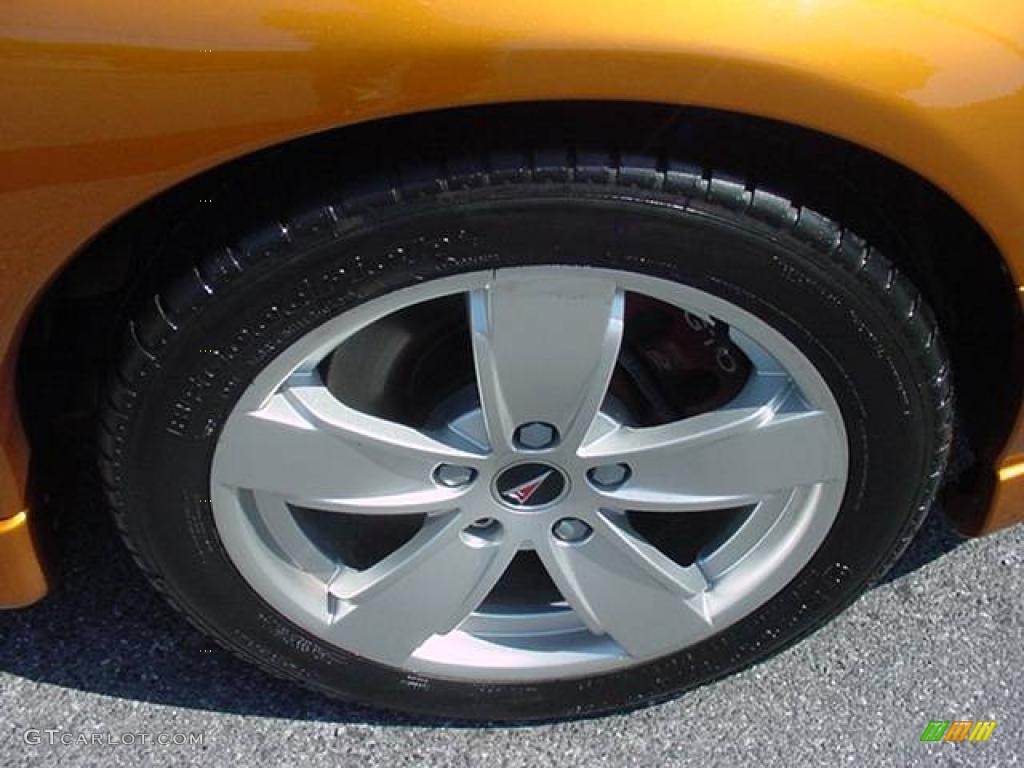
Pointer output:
x,y
530,486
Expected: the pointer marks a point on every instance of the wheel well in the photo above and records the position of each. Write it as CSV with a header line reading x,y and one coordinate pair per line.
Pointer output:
x,y
931,238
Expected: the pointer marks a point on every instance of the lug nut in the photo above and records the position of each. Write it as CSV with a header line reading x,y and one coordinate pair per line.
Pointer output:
x,y
571,530
481,531
609,476
454,476
536,435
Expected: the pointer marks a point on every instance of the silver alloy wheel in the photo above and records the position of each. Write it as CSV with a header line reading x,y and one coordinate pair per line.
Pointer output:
x,y
545,343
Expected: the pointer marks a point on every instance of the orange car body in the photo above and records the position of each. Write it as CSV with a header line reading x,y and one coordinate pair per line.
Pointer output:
x,y
108,102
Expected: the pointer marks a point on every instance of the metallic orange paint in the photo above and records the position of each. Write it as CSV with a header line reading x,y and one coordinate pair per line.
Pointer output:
x,y
106,102
23,579
1007,505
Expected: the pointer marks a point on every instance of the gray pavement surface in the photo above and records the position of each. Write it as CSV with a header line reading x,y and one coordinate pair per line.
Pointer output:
x,y
941,638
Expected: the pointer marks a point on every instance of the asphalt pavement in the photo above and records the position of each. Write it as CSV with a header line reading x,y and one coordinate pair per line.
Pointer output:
x,y
103,659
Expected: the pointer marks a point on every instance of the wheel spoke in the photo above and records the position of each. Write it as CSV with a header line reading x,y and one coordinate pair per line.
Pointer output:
x,y
545,348
723,459
623,587
314,451
425,588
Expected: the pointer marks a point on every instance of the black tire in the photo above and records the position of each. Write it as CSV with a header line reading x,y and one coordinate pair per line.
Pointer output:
x,y
862,324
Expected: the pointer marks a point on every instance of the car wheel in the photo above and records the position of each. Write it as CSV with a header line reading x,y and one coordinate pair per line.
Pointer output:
x,y
522,442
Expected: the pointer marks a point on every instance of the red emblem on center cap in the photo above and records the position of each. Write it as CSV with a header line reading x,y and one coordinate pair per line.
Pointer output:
x,y
521,493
